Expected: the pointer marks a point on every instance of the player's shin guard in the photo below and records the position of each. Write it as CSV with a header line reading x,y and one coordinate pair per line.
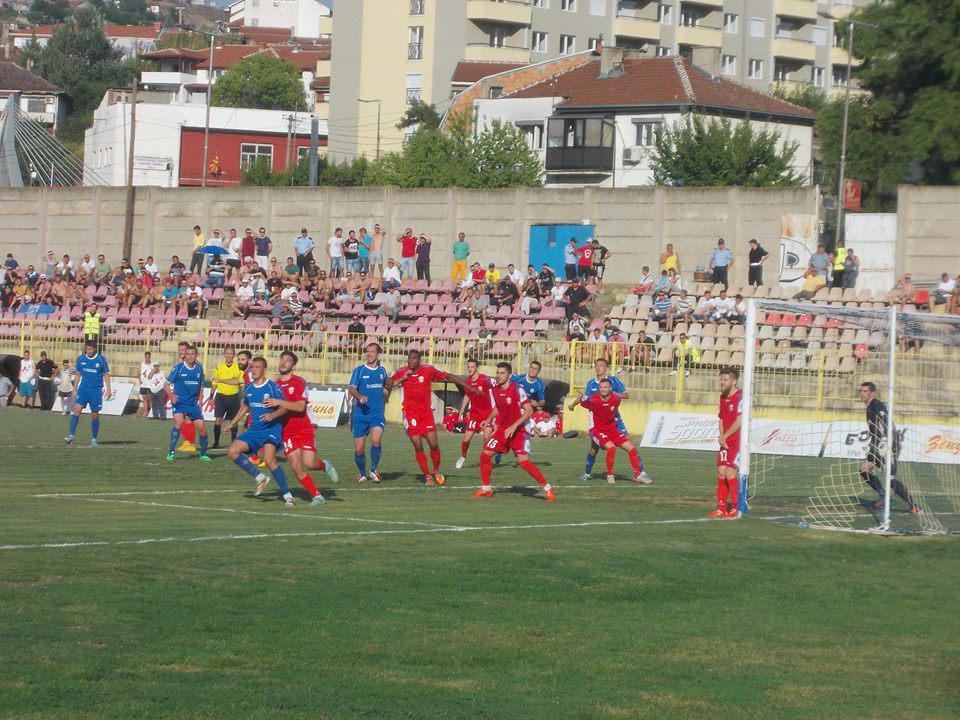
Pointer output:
x,y
189,432
722,493
422,462
734,485
74,419
611,457
464,446
174,438
281,479
319,464
534,472
216,435
636,462
203,444
435,459
375,452
588,463
361,461
486,467
95,428
243,462
870,479
309,485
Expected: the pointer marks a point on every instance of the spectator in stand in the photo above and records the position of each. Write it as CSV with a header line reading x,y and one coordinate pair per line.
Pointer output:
x,y
248,247
28,381
192,295
408,253
244,299
291,267
46,372
952,303
676,284
479,304
812,282
570,260
351,289
851,269
351,252
601,253
390,302
196,259
683,308
177,268
334,252
376,249
662,310
516,277
232,257
11,262
86,268
685,352
262,246
837,266
531,293
461,251
903,292
756,256
477,278
67,268
102,270
545,425
215,273
483,341
152,268
303,246
170,292
50,264
576,329
357,332
312,275
585,260
492,278
945,289
642,351
721,260
670,259
364,250
423,258
138,294
547,279
65,391
820,261
391,275
287,318
507,293
596,336
575,299
704,307
724,309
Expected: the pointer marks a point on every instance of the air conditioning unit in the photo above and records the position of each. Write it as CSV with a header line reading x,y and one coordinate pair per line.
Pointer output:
x,y
635,155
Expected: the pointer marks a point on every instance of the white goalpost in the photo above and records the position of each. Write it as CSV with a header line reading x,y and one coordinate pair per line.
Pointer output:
x,y
808,455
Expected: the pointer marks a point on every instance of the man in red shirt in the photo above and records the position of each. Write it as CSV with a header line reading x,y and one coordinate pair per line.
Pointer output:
x,y
417,383
585,262
511,411
605,430
408,253
299,444
728,459
248,248
480,407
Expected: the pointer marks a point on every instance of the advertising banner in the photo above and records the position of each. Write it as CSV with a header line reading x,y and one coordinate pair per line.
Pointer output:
x,y
121,390
324,407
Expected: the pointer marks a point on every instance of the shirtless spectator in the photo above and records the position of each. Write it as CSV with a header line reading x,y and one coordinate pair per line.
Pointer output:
x,y
350,289
137,294
323,289
903,292
376,249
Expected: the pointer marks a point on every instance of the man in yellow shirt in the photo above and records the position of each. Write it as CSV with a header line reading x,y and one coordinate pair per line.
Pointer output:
x,y
812,282
225,386
196,260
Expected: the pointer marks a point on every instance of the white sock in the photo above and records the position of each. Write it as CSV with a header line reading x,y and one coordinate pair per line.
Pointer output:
x,y
547,487
288,496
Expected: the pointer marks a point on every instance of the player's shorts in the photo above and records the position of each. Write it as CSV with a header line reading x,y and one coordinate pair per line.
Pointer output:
x,y
474,422
92,399
226,406
189,411
419,424
621,427
879,461
144,390
302,440
256,438
363,424
730,456
601,438
519,444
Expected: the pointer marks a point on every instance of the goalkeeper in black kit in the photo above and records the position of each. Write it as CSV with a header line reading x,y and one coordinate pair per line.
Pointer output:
x,y
876,459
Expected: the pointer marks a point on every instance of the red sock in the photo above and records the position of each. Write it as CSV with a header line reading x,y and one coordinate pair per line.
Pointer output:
x,y
319,464
722,493
734,485
486,466
422,462
464,446
635,462
307,483
533,471
188,432
435,459
611,456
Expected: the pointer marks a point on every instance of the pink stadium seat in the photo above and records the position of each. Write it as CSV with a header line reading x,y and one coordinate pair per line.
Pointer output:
x,y
774,319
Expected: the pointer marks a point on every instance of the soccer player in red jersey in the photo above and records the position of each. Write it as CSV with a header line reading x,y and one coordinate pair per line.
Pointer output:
x,y
728,459
417,383
605,431
480,407
299,443
511,411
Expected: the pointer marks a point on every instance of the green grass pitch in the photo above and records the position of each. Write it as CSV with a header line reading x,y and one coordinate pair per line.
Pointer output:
x,y
131,587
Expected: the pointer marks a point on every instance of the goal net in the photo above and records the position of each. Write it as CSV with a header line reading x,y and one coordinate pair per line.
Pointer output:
x,y
808,454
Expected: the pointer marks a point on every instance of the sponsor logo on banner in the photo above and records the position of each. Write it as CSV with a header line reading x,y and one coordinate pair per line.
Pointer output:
x,y
323,407
681,431
121,390
798,240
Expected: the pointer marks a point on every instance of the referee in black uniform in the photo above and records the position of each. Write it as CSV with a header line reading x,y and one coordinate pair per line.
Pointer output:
x,y
876,459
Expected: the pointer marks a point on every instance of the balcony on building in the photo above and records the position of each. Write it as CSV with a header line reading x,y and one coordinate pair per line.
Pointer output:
x,y
798,50
165,80
792,73
804,9
506,12
485,52
580,144
698,25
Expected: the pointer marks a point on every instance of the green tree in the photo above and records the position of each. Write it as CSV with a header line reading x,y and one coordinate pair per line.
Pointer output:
x,y
502,158
420,114
808,96
193,41
124,12
261,81
701,153
48,12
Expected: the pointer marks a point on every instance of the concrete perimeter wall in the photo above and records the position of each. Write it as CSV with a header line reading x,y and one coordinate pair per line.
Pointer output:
x,y
635,223
928,231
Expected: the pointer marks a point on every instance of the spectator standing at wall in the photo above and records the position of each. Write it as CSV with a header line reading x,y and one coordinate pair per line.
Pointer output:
x,y
263,246
304,246
376,249
601,253
334,251
757,256
423,258
46,371
670,259
196,259
570,260
820,261
585,260
851,269
721,260
363,251
248,247
839,266
351,253
461,251
408,253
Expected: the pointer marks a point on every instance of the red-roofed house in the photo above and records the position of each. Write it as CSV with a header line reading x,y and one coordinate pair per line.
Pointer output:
x,y
595,124
131,39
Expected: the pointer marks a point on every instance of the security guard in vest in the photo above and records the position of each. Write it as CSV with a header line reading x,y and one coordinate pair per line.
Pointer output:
x,y
839,256
91,324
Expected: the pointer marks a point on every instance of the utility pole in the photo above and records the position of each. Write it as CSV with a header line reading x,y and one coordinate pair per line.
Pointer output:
x,y
286,156
314,142
206,124
128,215
377,101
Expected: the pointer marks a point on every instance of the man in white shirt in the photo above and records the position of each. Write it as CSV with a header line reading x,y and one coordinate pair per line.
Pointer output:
x,y
66,266
86,266
289,292
151,267
158,396
515,275
945,289
232,258
146,369
723,308
704,307
391,275
335,253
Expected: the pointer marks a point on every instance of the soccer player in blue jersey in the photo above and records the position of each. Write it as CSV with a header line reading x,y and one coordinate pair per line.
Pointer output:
x,y
367,390
265,434
91,382
601,367
184,388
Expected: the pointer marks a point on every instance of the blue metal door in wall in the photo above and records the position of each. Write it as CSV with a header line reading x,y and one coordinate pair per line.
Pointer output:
x,y
547,243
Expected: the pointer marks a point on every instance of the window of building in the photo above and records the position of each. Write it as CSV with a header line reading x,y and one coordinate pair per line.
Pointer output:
x,y
817,77
665,14
254,22
568,5
690,15
541,3
567,44
415,50
837,37
303,152
781,72
663,51
685,51
819,35
839,76
539,41
593,42
251,153
532,134
414,87
787,26
755,69
495,92
36,106
758,27
730,23
497,37
728,65
647,132
416,7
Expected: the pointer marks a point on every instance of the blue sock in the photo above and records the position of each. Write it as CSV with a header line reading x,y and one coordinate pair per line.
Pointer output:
x,y
203,443
174,436
361,461
375,452
95,427
588,464
243,462
281,479
74,419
